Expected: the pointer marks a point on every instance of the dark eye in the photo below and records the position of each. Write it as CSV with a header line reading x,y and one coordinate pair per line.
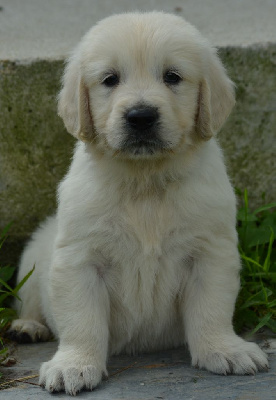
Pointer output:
x,y
111,80
172,78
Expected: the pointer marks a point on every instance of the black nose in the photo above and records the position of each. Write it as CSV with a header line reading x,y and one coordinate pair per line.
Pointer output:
x,y
142,118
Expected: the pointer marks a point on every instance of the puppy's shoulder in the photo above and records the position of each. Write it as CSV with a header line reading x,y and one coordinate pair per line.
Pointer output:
x,y
79,183
207,186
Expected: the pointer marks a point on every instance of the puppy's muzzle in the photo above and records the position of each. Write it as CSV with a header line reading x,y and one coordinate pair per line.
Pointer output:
x,y
142,126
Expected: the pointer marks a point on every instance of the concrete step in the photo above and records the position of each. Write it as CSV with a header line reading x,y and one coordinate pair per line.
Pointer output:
x,y
38,29
35,150
166,375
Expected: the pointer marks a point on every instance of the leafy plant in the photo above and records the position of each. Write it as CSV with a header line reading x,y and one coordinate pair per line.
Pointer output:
x,y
256,304
7,314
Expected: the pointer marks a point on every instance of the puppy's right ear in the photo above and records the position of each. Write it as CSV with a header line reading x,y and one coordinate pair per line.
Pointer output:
x,y
216,97
73,102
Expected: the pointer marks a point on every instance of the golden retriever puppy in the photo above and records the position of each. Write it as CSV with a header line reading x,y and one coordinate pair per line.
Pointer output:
x,y
142,254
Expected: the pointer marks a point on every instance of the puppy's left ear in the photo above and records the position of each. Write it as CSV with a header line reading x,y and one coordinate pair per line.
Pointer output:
x,y
73,102
216,98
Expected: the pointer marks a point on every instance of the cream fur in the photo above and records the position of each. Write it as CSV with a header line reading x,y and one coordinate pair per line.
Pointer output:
x,y
142,254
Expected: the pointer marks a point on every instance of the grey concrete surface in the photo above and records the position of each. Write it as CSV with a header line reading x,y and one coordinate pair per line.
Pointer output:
x,y
167,375
49,29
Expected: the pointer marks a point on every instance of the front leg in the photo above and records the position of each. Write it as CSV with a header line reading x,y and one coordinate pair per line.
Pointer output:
x,y
80,306
209,302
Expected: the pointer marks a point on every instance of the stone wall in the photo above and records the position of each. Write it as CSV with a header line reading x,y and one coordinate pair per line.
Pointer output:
x,y
35,149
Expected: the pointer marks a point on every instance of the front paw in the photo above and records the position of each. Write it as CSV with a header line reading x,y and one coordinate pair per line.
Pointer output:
x,y
70,372
232,355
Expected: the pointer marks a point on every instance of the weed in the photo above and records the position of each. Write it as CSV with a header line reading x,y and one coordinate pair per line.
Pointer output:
x,y
256,304
7,314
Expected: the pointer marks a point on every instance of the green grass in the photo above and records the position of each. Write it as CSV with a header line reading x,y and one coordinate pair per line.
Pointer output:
x,y
7,313
256,304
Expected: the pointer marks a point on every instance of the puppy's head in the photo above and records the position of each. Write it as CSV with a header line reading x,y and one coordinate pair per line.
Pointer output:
x,y
144,85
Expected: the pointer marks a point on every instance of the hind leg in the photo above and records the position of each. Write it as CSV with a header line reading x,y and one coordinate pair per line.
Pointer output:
x,y
33,309
30,326
27,331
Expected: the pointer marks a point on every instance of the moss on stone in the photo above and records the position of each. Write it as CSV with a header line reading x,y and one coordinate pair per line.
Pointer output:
x,y
35,149
249,136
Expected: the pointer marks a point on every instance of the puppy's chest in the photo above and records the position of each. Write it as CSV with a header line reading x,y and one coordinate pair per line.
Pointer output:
x,y
148,228
149,224
147,251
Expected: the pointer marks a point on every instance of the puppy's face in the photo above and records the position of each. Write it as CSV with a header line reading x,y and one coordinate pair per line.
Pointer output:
x,y
142,89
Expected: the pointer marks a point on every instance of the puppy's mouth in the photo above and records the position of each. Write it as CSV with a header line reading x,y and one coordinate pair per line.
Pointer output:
x,y
143,146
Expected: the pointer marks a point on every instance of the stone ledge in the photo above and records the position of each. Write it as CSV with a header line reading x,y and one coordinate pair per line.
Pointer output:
x,y
35,149
164,375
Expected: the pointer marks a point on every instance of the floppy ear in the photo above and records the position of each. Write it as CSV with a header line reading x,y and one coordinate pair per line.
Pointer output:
x,y
216,98
73,102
